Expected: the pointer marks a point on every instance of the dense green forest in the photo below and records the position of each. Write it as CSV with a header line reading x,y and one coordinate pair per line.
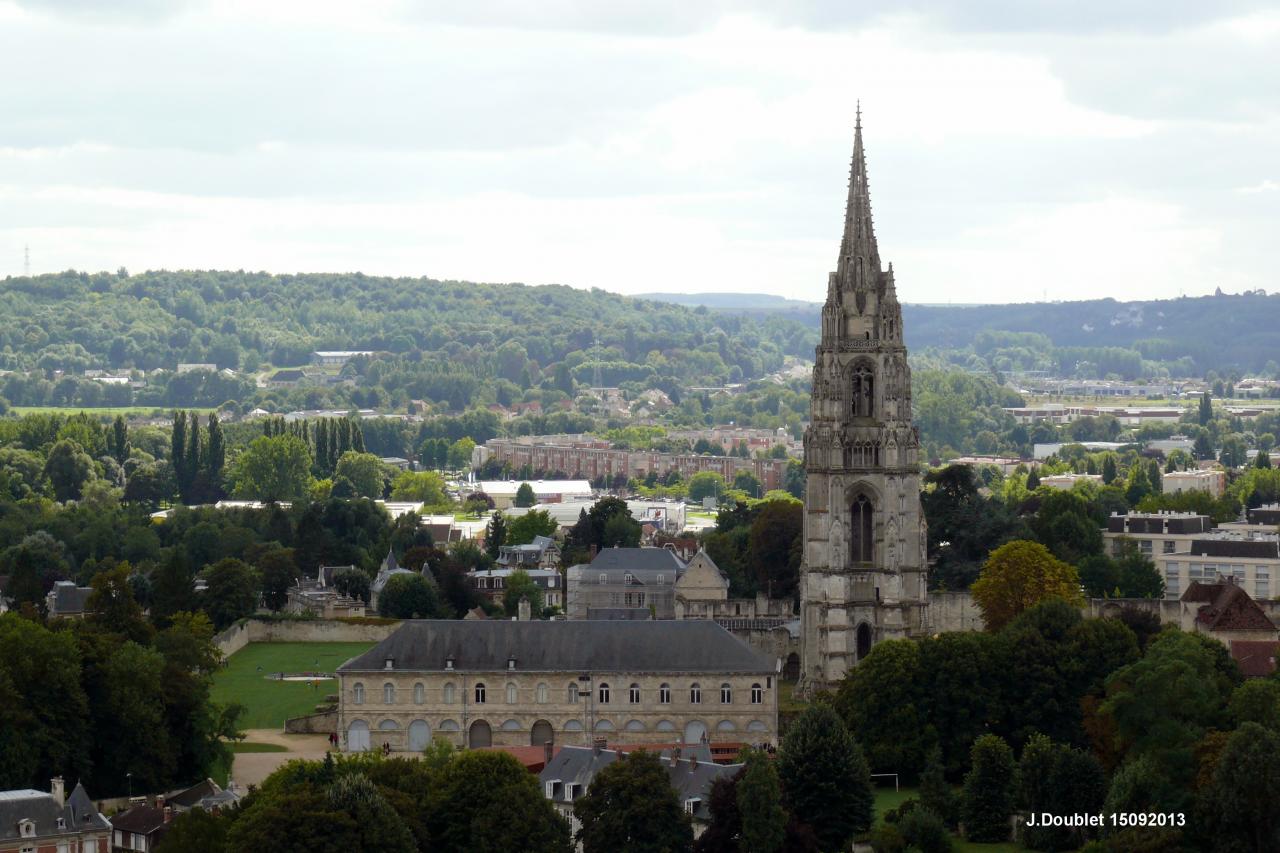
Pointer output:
x,y
1189,336
453,343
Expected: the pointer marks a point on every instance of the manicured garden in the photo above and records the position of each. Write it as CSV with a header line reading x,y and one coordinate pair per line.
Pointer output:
x,y
270,702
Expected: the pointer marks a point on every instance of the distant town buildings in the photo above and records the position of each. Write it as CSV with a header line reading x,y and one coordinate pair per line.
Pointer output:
x,y
336,358
624,584
1213,481
33,820
504,492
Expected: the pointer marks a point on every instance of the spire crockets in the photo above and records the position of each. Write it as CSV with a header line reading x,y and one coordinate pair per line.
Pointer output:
x,y
859,231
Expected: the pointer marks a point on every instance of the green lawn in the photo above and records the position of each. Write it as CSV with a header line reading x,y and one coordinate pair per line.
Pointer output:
x,y
887,798
270,703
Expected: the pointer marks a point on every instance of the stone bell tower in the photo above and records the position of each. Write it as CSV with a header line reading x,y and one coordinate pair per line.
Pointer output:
x,y
863,579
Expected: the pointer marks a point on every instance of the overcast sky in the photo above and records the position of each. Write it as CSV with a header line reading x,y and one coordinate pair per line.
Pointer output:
x,y
1017,150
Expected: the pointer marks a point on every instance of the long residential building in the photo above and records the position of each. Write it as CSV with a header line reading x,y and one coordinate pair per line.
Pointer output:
x,y
520,683
592,461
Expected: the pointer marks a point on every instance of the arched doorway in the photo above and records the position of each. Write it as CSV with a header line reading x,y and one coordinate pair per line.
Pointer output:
x,y
419,735
358,736
695,731
863,640
542,733
791,669
479,735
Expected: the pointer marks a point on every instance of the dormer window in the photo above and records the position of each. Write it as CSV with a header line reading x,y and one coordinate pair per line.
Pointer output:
x,y
691,804
511,662
628,578
448,662
390,663
27,828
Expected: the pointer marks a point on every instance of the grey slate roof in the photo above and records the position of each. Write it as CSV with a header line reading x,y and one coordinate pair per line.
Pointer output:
x,y
637,560
690,778
69,598
697,645
39,806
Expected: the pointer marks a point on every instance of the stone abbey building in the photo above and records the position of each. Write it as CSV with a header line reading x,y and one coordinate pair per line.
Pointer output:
x,y
512,683
864,573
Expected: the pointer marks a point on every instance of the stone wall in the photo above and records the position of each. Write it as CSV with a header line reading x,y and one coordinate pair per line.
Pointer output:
x,y
254,630
313,724
954,611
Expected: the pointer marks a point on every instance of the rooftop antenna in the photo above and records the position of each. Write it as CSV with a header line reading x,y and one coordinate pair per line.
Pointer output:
x,y
26,260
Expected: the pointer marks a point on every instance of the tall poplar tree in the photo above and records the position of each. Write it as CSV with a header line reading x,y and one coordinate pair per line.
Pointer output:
x,y
178,450
216,456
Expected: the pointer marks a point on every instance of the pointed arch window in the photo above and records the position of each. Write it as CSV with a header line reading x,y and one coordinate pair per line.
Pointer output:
x,y
862,392
860,529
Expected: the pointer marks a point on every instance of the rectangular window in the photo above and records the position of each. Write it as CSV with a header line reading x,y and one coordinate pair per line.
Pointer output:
x,y
1169,545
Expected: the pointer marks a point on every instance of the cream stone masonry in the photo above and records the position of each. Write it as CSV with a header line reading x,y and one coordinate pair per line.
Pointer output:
x,y
863,579
506,683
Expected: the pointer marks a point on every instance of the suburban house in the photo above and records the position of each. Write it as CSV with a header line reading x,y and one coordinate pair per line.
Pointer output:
x,y
519,683
33,821
624,583
388,569
336,358
568,773
1225,611
541,553
67,601
141,827
492,583
503,492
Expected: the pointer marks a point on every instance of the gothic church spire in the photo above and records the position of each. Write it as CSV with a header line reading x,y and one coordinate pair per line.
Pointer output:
x,y
859,231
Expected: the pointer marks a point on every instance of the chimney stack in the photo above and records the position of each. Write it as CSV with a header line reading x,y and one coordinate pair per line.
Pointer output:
x,y
58,788
168,813
159,801
598,745
524,611
548,752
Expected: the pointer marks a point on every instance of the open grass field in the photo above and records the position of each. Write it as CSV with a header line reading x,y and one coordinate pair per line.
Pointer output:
x,y
269,702
250,747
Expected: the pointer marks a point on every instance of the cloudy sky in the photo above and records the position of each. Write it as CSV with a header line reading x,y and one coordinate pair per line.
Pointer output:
x,y
1018,150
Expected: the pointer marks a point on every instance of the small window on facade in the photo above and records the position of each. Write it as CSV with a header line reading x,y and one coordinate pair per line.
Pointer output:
x,y
664,694
633,694
604,579
511,694
480,693
572,694
450,694
544,694
388,694
757,694
662,579
726,694
357,694
627,578
419,693
604,693
695,693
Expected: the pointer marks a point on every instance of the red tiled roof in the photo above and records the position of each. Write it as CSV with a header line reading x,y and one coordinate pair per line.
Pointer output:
x,y
1227,607
1256,658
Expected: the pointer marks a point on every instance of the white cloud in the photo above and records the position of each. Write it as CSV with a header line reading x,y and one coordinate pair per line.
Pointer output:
x,y
697,149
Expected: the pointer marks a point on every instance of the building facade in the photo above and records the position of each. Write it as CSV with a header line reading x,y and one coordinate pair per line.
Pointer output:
x,y
624,583
512,683
1155,533
863,576
1248,559
53,822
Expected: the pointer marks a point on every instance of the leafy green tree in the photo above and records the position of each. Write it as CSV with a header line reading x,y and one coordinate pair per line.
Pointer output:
x,y
1262,459
46,712
1018,575
1056,779
759,800
131,725
120,440
723,833
826,783
495,534
408,597
988,791
1064,526
1109,472
1256,701
925,831
113,607
380,825
68,468
620,531
489,803
1245,789
1205,413
1139,485
354,583
232,591
632,806
523,529
936,793
520,585
878,702
964,526
196,831
32,566
706,484
775,547
279,572
364,470
460,452
272,469
1234,453
525,496
424,486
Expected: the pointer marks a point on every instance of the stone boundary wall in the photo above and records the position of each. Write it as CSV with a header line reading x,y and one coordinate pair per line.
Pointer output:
x,y
252,630
312,724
